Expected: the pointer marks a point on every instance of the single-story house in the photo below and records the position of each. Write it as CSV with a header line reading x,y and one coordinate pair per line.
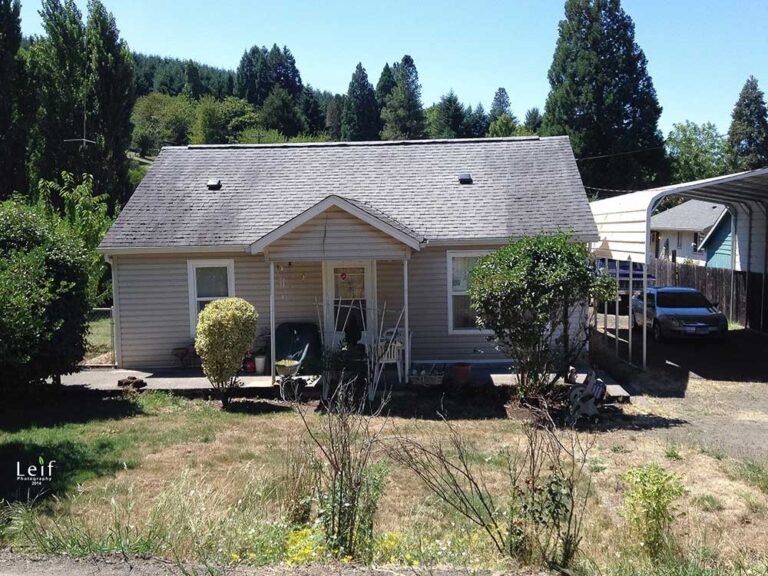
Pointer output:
x,y
678,233
303,230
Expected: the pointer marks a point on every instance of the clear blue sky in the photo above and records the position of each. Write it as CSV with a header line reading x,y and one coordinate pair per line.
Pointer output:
x,y
699,52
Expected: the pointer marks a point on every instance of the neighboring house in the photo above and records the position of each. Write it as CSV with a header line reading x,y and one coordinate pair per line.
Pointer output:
x,y
718,243
302,230
678,233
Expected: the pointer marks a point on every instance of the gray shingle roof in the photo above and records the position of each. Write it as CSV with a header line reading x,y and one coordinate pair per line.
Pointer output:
x,y
521,186
693,215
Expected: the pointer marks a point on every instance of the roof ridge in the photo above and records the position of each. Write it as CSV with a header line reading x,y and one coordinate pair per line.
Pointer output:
x,y
425,142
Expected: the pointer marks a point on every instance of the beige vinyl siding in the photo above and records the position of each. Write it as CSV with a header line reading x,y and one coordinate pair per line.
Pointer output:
x,y
336,235
389,279
298,286
153,303
428,295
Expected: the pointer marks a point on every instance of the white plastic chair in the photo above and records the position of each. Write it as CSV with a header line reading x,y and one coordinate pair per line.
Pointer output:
x,y
390,351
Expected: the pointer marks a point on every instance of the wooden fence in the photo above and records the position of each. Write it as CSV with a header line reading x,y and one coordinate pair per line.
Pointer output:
x,y
720,286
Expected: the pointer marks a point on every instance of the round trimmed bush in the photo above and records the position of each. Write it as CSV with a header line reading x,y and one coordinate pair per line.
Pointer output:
x,y
226,330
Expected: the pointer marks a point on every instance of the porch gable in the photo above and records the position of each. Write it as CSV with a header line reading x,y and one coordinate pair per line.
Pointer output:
x,y
337,229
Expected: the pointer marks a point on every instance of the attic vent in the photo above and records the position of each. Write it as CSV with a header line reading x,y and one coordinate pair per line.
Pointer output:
x,y
465,178
214,184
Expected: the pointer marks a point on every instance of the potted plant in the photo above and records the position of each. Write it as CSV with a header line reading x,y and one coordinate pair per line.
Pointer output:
x,y
260,353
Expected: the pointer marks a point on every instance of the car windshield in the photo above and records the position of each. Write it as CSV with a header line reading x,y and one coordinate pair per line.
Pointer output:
x,y
682,300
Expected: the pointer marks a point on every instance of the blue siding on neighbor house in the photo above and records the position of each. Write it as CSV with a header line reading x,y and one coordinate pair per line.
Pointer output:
x,y
719,246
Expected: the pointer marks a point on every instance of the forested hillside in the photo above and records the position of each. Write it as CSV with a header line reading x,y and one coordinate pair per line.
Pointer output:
x,y
76,99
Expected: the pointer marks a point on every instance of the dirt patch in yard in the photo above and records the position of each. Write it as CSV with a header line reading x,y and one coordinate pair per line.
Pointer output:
x,y
12,564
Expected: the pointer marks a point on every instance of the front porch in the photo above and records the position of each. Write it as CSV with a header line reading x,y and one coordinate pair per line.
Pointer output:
x,y
366,298
343,267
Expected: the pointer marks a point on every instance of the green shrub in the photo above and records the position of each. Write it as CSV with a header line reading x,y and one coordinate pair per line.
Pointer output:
x,y
648,502
226,330
525,293
44,300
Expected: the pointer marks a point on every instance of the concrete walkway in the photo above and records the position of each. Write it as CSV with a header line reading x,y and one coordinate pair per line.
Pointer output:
x,y
106,379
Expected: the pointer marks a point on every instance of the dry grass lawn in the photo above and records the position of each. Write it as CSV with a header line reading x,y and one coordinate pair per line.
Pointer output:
x,y
210,462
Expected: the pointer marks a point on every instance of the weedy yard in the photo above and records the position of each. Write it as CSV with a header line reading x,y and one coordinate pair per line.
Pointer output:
x,y
158,475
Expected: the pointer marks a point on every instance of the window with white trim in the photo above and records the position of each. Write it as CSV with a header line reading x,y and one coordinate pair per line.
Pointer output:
x,y
461,318
209,280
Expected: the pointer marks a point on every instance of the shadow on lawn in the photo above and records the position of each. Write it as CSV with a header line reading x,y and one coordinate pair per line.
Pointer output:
x,y
48,405
257,407
438,403
73,462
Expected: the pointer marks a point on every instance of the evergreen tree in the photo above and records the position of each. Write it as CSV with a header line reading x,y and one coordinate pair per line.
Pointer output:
x,y
403,115
448,119
252,79
384,86
503,126
279,113
168,79
311,110
333,117
193,85
533,120
283,71
112,86
500,105
360,117
603,98
748,135
260,70
476,122
13,123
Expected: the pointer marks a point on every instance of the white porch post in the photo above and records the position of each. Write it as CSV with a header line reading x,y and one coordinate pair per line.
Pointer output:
x,y
407,323
272,320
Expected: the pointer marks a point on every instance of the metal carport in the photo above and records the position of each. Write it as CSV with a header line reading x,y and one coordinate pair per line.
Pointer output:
x,y
624,225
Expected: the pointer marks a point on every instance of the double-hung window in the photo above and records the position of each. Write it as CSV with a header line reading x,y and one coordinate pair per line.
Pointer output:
x,y
461,318
209,280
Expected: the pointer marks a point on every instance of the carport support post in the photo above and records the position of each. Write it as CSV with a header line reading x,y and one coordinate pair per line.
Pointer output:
x,y
605,305
272,319
645,311
630,314
616,310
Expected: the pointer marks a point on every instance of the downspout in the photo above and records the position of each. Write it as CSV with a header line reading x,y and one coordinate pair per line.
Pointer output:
x,y
116,341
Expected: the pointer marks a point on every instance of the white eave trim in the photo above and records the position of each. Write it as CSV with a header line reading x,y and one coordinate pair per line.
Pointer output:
x,y
138,250
321,207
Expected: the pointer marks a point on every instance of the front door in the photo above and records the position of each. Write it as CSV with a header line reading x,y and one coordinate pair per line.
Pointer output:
x,y
350,302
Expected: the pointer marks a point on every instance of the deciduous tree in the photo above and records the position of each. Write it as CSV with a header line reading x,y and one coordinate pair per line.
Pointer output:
x,y
13,121
696,151
503,126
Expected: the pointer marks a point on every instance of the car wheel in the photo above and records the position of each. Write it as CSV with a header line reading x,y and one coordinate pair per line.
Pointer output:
x,y
658,335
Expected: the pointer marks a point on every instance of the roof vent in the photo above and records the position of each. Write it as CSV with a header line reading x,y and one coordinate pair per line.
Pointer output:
x,y
465,178
213,184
